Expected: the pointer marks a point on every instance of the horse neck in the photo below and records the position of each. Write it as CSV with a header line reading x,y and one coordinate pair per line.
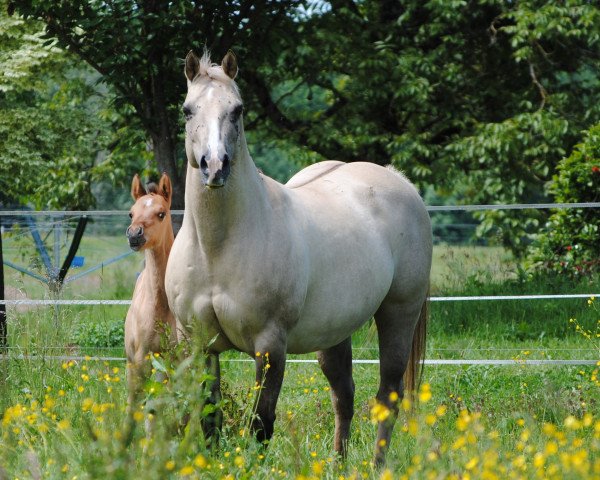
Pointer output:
x,y
238,206
156,264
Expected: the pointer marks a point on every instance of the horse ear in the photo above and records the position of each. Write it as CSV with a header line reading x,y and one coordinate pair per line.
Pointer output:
x,y
165,189
229,64
192,66
137,190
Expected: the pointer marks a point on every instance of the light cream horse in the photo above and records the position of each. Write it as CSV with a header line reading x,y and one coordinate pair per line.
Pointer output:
x,y
149,318
266,268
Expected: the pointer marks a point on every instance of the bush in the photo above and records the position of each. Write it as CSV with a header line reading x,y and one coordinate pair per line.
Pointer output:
x,y
569,243
100,335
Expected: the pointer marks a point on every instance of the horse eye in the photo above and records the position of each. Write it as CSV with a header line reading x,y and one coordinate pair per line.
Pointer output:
x,y
236,112
187,112
161,215
130,215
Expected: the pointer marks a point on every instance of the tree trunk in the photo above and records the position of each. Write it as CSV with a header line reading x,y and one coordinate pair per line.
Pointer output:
x,y
164,138
166,160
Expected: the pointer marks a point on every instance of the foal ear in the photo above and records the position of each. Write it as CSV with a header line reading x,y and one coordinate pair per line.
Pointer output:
x,y
229,64
165,189
137,190
192,66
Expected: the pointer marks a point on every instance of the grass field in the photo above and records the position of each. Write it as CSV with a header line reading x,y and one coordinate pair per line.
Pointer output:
x,y
64,419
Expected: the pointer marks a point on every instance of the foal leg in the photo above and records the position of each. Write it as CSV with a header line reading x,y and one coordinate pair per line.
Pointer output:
x,y
395,327
336,363
270,365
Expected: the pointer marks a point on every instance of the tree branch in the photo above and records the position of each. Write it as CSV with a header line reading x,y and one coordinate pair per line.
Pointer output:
x,y
537,83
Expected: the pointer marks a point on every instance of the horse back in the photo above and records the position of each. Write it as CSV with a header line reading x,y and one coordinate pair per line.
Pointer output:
x,y
368,238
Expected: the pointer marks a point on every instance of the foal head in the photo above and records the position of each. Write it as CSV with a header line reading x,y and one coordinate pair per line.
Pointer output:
x,y
150,214
213,110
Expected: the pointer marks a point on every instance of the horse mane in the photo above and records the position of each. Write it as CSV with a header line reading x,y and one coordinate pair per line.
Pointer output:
x,y
213,71
401,174
152,187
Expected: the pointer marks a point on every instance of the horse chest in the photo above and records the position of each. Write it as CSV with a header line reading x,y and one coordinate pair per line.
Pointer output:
x,y
234,308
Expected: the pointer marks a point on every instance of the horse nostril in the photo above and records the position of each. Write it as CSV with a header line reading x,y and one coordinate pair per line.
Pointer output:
x,y
226,164
204,165
140,232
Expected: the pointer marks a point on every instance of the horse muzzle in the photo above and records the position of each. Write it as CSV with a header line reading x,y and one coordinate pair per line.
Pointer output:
x,y
136,238
215,171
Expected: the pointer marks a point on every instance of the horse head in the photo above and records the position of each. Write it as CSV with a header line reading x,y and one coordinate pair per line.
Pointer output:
x,y
213,112
150,214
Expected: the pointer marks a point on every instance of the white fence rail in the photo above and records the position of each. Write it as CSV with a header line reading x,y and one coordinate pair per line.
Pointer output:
x,y
431,299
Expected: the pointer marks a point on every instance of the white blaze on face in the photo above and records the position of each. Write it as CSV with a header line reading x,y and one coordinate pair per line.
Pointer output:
x,y
149,202
213,127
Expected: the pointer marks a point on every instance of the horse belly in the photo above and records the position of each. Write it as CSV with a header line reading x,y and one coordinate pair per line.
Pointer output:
x,y
343,300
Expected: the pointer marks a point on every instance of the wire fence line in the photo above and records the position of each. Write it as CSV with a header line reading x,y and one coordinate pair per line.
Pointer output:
x,y
430,208
432,361
374,349
60,216
431,299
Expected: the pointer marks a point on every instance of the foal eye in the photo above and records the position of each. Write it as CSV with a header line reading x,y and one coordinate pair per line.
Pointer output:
x,y
161,215
130,215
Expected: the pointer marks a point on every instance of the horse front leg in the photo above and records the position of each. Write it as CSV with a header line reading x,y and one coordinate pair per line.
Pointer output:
x,y
213,421
270,366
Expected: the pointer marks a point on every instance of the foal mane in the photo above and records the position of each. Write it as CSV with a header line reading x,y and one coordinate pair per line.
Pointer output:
x,y
152,187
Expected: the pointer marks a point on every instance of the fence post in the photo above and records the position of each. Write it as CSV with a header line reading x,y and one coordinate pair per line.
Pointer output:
x,y
3,329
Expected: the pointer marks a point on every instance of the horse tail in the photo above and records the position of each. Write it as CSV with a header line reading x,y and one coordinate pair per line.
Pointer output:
x,y
414,369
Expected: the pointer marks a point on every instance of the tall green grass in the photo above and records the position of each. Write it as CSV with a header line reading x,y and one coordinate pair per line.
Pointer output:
x,y
64,419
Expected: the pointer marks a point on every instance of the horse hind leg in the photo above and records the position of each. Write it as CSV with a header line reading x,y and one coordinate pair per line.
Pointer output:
x,y
336,363
401,332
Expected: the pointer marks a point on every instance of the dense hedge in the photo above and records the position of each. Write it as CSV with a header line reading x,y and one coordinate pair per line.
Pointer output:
x,y
570,242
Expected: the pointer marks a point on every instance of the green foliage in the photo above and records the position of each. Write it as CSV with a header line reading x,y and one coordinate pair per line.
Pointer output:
x,y
138,49
569,243
101,334
53,122
481,99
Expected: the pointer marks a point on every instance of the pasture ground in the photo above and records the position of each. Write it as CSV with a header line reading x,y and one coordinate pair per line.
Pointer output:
x,y
64,419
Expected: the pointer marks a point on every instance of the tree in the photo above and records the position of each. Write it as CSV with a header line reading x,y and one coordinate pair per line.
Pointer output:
x,y
137,47
479,98
59,134
42,134
568,243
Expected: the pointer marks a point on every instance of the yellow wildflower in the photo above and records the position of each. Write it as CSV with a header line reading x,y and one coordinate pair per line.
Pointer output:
x,y
187,470
386,475
425,393
379,412
64,424
87,404
200,461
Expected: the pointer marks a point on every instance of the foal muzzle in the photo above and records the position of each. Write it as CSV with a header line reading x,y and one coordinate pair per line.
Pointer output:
x,y
136,237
